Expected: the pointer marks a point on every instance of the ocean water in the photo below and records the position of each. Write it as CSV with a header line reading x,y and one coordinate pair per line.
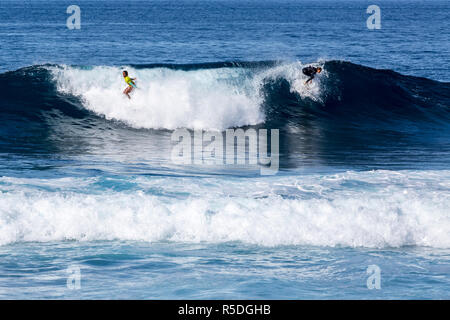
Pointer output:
x,y
93,204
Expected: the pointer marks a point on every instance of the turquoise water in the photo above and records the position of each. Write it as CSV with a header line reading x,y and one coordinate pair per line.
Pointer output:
x,y
140,270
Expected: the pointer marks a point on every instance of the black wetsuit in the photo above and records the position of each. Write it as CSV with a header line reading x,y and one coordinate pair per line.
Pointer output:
x,y
310,72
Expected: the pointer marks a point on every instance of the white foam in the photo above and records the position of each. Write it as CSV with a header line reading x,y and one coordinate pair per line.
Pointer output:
x,y
165,98
199,99
353,209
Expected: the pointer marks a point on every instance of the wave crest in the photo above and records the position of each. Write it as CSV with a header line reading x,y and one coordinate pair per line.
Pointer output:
x,y
225,95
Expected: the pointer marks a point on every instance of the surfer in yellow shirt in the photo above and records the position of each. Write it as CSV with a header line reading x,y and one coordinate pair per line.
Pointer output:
x,y
130,82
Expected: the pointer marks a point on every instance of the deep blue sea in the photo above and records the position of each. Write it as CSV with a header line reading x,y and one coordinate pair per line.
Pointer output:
x,y
95,205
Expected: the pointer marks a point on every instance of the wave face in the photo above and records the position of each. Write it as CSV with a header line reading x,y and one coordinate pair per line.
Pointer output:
x,y
224,95
347,105
358,96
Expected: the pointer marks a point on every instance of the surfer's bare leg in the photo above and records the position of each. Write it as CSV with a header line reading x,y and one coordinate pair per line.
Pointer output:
x,y
127,91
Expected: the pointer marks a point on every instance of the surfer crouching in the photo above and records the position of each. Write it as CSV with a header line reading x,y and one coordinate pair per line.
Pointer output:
x,y
311,71
130,82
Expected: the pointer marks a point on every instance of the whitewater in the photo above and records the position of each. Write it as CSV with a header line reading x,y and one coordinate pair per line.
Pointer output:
x,y
379,209
169,98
